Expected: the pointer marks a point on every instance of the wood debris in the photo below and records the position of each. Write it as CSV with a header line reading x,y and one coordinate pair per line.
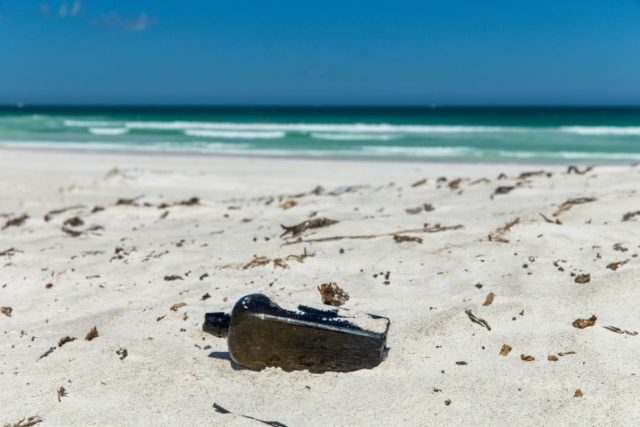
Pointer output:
x,y
489,299
332,294
550,221
399,238
49,215
498,234
630,215
620,331
505,350
297,229
15,222
47,353
61,393
177,306
583,278
26,422
65,340
93,333
584,323
6,310
571,202
527,358
615,265
477,320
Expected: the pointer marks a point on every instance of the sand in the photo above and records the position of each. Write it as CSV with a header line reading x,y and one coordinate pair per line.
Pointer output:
x,y
442,369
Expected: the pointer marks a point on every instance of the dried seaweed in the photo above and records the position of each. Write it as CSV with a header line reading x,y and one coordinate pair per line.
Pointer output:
x,y
505,350
61,393
426,229
620,331
552,358
172,277
615,265
332,294
26,422
49,215
427,207
585,323
9,252
489,299
504,189
297,229
498,234
527,358
399,238
47,353
576,170
583,278
455,184
78,233
222,410
74,221
578,393
529,174
177,306
571,202
123,353
129,202
205,297
629,215
16,221
65,340
550,221
477,320
93,333
189,202
288,204
419,183
6,310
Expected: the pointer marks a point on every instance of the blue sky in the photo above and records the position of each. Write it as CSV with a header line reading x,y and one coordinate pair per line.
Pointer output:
x,y
320,52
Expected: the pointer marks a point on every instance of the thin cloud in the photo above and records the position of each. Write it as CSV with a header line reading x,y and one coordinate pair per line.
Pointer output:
x,y
64,10
114,21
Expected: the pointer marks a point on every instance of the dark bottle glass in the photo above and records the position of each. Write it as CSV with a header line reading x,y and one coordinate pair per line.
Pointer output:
x,y
260,334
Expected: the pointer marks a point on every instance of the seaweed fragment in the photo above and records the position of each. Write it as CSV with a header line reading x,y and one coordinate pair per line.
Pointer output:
x,y
629,215
584,323
505,350
498,234
16,221
620,331
332,294
61,393
65,340
477,320
49,215
489,299
425,229
399,238
93,333
571,202
6,310
47,353
297,229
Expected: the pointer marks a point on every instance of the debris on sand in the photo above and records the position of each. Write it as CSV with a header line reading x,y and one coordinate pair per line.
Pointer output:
x,y
297,229
189,202
552,358
93,333
529,174
571,202
578,393
576,170
46,353
61,393
477,320
399,238
78,233
616,265
498,234
629,215
550,221
177,306
258,261
129,202
6,310
172,277
489,299
65,340
618,247
332,294
505,350
205,297
426,207
620,331
219,409
74,221
419,183
9,252
123,353
527,357
504,189
26,422
288,204
15,222
583,278
49,215
585,323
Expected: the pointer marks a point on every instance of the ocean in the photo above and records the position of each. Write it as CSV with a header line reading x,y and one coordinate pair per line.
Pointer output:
x,y
532,135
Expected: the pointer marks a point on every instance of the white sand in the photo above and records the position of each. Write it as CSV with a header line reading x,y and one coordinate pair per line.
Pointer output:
x,y
169,378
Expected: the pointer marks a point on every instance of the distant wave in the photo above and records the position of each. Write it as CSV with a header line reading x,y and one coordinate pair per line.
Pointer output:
x,y
392,151
602,130
90,123
233,134
354,136
108,131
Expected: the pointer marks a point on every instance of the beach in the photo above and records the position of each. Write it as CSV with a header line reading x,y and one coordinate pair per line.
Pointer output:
x,y
511,289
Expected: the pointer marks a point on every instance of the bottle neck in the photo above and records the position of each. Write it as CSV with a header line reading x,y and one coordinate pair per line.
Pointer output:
x,y
217,324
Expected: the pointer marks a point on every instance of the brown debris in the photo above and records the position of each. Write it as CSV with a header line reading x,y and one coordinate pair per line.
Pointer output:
x,y
552,358
620,331
577,171
569,204
455,184
49,215
78,233
15,222
498,234
489,299
297,229
26,422
6,310
172,277
618,247
177,306
583,278
332,294
529,174
219,409
566,353
9,252
504,189
629,215
477,320
527,358
61,393
257,261
93,333
505,350
75,221
46,353
189,202
615,265
65,340
461,363
550,221
584,323
399,238
419,183
427,207
205,297
578,393
288,204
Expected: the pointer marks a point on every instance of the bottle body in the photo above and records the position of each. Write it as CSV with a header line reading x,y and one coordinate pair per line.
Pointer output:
x,y
262,334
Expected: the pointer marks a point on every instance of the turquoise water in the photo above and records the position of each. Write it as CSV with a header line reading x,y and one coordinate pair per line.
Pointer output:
x,y
551,135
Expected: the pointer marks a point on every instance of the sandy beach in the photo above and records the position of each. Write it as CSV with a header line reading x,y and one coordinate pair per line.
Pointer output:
x,y
482,269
